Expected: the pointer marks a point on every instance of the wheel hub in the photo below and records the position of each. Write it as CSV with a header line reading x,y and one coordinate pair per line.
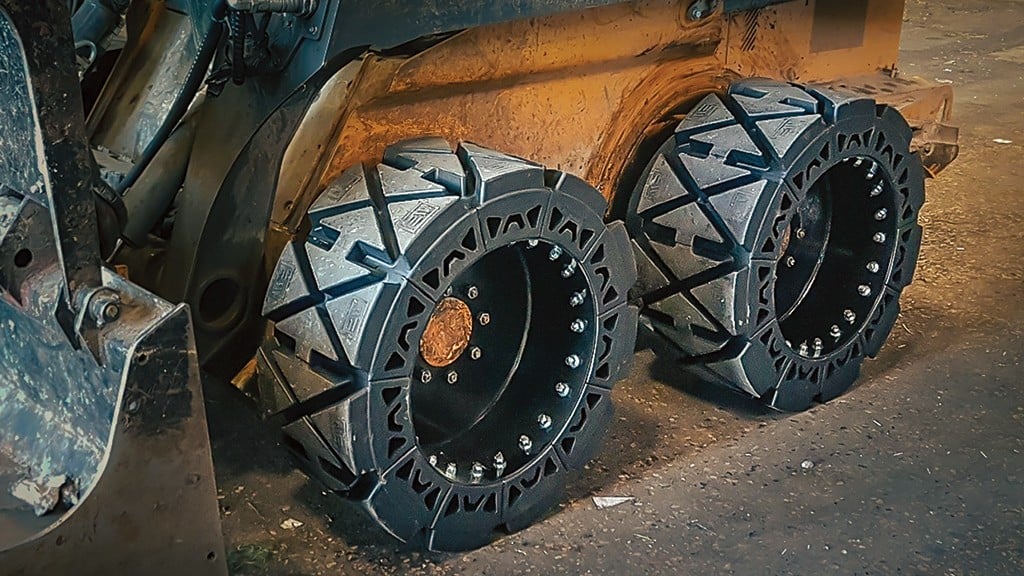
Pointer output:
x,y
448,333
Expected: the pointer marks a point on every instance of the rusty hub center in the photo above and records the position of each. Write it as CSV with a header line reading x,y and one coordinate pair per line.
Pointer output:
x,y
447,334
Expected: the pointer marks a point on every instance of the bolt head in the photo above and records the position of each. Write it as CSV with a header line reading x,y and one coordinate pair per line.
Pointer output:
x,y
873,267
499,460
555,254
790,261
864,290
432,460
573,361
477,471
879,237
562,389
801,233
484,318
426,376
577,299
453,377
451,470
578,325
525,444
882,214
835,332
877,190
544,421
472,292
804,349
850,316
475,353
532,243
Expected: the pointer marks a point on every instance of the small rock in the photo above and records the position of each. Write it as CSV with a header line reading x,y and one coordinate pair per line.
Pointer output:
x,y
807,464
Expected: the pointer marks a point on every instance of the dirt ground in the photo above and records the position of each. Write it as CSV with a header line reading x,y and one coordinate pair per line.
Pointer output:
x,y
919,470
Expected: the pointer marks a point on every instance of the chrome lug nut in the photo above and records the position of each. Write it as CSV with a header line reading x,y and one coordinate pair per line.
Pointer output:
x,y
801,233
818,346
879,237
864,290
544,421
477,472
569,270
873,267
453,377
451,470
877,190
804,350
472,292
525,444
790,261
562,389
872,171
857,162
835,332
573,361
499,463
578,325
882,214
484,318
577,299
532,243
432,460
850,316
555,254
426,376
475,353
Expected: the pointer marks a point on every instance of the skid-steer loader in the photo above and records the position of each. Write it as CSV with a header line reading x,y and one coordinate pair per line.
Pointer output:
x,y
422,236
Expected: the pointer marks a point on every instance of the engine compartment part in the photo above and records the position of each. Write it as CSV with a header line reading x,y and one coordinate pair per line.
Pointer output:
x,y
447,337
775,232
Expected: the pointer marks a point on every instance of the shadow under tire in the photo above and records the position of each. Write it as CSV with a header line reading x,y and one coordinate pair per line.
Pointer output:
x,y
774,234
446,338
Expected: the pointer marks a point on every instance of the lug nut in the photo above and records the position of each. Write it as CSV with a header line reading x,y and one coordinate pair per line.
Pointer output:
x,y
475,353
577,299
453,377
835,332
882,214
432,460
857,162
578,325
484,318
555,254
864,290
569,270
525,444
426,376
803,349
850,316
877,190
499,463
477,471
818,346
872,171
451,470
562,389
532,243
472,292
544,421
879,237
573,361
790,261
873,267
801,233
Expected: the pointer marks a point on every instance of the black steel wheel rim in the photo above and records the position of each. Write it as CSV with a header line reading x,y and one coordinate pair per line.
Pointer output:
x,y
835,257
490,412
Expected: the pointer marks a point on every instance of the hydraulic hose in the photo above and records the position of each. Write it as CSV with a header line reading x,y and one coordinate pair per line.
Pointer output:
x,y
193,82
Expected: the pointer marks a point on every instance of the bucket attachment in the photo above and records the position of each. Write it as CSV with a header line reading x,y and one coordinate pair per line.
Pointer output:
x,y
105,463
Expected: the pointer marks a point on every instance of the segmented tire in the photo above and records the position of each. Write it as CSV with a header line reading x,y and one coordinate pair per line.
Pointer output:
x,y
447,337
774,234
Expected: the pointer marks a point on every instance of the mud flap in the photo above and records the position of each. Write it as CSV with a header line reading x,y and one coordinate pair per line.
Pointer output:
x,y
105,463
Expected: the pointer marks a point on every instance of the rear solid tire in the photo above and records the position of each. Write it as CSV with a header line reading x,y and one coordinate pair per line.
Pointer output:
x,y
381,419
774,234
